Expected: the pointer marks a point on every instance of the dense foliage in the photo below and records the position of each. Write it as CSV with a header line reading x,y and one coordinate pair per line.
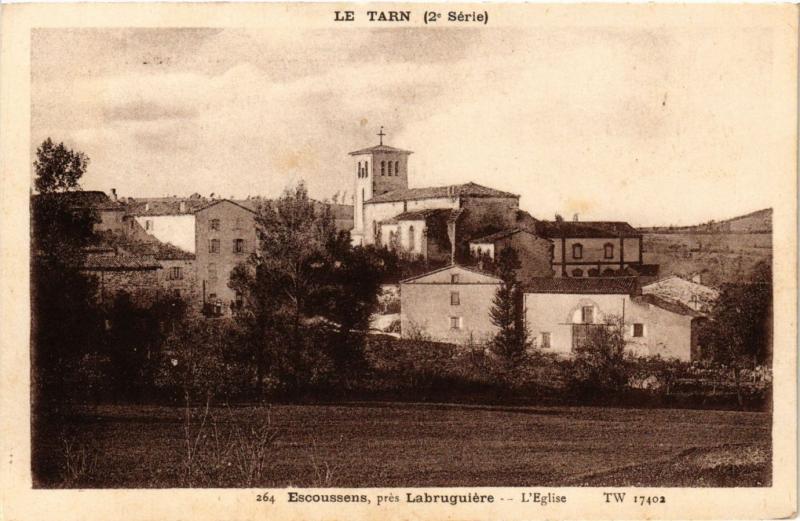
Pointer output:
x,y
507,311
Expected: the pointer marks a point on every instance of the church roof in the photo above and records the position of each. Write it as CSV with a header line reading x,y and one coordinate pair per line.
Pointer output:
x,y
435,192
498,235
379,149
420,215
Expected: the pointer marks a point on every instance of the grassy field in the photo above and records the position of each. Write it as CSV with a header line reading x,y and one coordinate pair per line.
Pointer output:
x,y
392,445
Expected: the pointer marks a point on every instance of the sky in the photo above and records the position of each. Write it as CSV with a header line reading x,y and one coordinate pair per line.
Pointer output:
x,y
655,126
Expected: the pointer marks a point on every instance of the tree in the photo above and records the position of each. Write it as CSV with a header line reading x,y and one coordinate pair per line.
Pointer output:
x,y
58,169
64,320
307,291
507,312
600,364
348,297
739,332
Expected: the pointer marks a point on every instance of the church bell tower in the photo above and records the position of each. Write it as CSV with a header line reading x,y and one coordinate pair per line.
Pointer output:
x,y
378,170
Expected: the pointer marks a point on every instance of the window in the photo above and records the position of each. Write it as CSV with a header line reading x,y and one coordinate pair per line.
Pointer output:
x,y
397,168
455,322
545,340
390,168
608,251
587,314
366,168
239,300
411,239
358,170
213,246
238,246
214,225
454,278
577,251
383,167
176,273
212,297
148,224
212,271
455,299
638,330
577,272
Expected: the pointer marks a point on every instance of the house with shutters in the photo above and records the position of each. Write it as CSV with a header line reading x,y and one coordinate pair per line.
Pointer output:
x,y
225,235
561,313
450,304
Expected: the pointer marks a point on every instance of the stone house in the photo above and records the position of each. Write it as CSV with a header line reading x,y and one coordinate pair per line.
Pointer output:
x,y
561,312
168,219
535,253
450,304
116,273
225,235
594,248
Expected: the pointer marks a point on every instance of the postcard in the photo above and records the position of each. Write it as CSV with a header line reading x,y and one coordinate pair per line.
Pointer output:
x,y
398,261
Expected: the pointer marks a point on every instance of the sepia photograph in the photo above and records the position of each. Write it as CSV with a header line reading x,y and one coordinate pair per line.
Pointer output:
x,y
439,247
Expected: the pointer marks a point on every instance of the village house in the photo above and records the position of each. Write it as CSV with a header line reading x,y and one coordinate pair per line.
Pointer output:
x,y
169,219
691,294
450,304
561,312
119,272
595,248
225,237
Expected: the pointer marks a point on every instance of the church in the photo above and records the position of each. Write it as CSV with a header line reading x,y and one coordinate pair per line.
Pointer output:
x,y
434,223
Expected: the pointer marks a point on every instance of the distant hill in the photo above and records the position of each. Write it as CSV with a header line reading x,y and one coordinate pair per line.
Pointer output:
x,y
717,252
756,222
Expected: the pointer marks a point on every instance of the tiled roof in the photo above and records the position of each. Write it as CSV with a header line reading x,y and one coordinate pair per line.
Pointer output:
x,y
111,241
448,267
119,262
421,215
580,285
164,205
586,229
251,205
379,148
465,190
669,305
498,235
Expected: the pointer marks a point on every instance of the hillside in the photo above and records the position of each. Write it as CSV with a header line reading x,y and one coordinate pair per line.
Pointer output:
x,y
718,251
755,222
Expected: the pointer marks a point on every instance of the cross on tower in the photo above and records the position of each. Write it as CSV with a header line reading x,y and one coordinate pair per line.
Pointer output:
x,y
381,134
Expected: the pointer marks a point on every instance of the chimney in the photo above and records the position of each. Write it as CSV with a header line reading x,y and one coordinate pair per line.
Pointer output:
x,y
146,207
113,194
575,218
183,206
